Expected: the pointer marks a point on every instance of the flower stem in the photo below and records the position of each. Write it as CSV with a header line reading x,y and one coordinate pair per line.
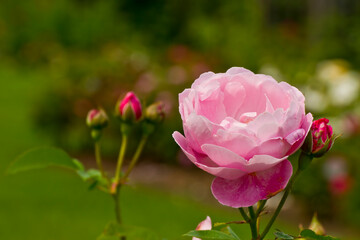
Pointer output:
x,y
117,206
261,205
281,204
136,156
98,160
121,158
244,215
117,209
253,223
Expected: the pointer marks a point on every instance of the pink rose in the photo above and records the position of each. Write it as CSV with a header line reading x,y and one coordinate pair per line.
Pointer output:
x,y
241,127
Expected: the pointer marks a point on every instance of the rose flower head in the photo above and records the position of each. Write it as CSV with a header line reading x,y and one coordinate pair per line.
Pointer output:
x,y
241,127
129,108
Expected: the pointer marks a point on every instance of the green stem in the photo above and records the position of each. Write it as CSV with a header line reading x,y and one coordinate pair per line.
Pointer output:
x,y
281,204
117,209
136,156
244,215
117,206
98,159
121,157
253,221
261,205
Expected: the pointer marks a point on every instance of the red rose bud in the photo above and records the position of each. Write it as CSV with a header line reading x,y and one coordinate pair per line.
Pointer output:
x,y
129,108
322,137
155,112
97,119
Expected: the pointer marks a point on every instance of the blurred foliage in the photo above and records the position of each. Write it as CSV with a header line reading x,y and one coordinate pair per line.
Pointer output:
x,y
95,51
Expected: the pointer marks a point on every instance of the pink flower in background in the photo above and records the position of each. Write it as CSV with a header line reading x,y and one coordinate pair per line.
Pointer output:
x,y
130,107
241,127
204,225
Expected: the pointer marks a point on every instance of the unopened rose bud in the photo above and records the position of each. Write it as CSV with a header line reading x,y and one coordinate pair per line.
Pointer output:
x,y
97,119
316,226
322,137
155,112
129,108
203,225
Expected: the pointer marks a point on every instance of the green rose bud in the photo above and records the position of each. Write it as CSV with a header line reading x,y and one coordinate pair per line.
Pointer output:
x,y
155,112
97,119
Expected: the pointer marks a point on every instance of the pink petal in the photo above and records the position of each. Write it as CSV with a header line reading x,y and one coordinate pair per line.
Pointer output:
x,y
198,130
262,162
306,125
252,98
234,95
223,172
249,189
237,70
203,162
278,97
269,107
265,126
238,143
187,103
293,118
203,78
276,147
295,136
224,157
292,91
212,106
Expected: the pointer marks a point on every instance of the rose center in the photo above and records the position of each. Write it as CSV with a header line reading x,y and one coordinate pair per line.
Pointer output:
x,y
247,117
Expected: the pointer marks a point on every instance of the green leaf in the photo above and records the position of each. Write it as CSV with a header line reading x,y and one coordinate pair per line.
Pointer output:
x,y
233,233
79,165
282,235
41,158
94,177
114,231
93,174
209,234
309,234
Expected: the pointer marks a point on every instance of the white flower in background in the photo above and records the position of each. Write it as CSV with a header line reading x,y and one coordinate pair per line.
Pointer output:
x,y
345,89
330,70
315,101
343,84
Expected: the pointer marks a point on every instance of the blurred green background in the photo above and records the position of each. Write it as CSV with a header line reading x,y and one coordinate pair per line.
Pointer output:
x,y
60,58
